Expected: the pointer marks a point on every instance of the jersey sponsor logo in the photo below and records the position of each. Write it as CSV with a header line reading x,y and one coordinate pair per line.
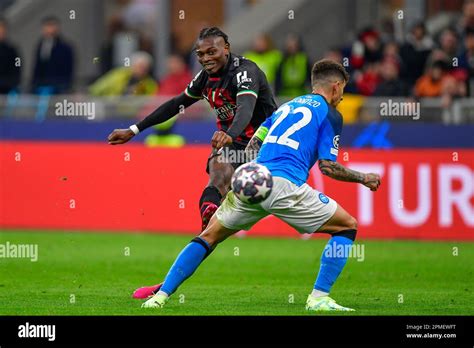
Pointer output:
x,y
222,102
225,112
323,198
243,78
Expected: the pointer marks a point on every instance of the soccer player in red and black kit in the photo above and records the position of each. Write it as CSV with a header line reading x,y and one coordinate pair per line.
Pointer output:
x,y
240,95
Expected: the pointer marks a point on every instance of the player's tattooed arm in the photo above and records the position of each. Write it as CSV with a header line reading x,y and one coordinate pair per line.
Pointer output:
x,y
339,172
252,148
255,143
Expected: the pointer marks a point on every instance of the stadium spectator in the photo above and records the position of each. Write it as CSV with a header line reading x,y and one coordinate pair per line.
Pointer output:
x,y
54,60
133,80
466,60
448,47
414,54
334,54
373,49
367,49
265,56
466,21
177,78
431,83
9,70
449,42
387,30
368,80
294,73
391,51
172,84
451,88
391,85
140,15
121,42
115,26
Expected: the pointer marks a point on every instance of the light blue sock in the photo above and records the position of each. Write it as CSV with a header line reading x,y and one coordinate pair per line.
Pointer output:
x,y
185,264
333,260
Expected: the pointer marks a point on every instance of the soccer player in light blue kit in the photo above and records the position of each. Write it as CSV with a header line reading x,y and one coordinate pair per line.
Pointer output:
x,y
291,140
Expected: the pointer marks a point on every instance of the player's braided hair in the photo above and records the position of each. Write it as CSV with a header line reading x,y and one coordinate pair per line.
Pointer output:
x,y
326,69
213,31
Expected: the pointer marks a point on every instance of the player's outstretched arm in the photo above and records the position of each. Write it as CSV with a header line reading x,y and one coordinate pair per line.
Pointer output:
x,y
339,172
160,115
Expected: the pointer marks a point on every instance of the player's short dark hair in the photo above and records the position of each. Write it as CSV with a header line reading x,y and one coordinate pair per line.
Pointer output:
x,y
326,69
212,32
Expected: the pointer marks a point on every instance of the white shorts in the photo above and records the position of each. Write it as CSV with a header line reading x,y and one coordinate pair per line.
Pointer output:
x,y
301,207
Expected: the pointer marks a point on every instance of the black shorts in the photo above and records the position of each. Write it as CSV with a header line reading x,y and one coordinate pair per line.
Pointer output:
x,y
234,154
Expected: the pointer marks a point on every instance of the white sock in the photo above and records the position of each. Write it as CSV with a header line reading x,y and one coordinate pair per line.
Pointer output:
x,y
316,293
162,293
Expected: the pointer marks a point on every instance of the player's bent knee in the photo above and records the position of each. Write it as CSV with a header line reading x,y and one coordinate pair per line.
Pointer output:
x,y
346,223
352,223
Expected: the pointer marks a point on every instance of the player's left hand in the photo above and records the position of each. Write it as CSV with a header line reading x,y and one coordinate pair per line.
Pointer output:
x,y
372,181
220,139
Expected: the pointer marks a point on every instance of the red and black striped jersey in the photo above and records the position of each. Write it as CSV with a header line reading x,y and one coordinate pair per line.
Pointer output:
x,y
239,77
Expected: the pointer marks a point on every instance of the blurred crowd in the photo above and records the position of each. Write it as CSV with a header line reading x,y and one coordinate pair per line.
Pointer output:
x,y
422,65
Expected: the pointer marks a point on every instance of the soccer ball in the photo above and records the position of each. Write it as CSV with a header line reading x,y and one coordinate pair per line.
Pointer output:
x,y
252,183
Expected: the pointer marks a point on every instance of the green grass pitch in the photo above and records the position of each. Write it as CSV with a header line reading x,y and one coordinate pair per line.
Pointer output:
x,y
91,274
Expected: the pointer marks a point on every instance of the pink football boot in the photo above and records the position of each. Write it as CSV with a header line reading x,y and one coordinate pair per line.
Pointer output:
x,y
146,291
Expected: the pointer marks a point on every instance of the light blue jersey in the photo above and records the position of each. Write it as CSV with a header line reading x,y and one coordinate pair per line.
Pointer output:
x,y
300,132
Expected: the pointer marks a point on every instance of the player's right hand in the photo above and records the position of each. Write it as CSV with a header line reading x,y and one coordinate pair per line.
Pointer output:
x,y
372,181
220,139
120,136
